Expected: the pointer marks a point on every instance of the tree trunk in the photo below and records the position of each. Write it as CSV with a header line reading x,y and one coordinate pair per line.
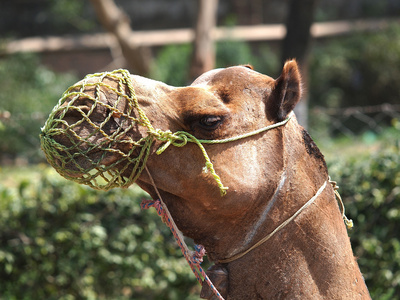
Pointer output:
x,y
117,22
203,58
297,45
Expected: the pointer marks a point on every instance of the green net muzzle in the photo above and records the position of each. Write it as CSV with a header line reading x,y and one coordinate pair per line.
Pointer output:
x,y
88,135
91,135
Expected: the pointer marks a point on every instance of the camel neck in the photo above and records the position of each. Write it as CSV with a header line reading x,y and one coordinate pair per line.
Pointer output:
x,y
296,189
310,259
251,233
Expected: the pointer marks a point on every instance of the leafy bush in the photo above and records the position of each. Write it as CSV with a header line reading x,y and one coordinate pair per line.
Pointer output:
x,y
28,93
231,53
60,240
172,65
370,188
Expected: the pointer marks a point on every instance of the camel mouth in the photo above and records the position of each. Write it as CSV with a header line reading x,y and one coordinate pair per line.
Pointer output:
x,y
70,163
101,168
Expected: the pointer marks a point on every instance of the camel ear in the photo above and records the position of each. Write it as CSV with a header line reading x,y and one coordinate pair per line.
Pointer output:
x,y
286,92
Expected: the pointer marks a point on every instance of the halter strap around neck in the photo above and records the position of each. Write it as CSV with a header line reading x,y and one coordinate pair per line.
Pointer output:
x,y
281,226
348,222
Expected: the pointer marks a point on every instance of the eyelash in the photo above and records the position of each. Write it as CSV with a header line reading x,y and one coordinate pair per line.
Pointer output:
x,y
203,122
210,122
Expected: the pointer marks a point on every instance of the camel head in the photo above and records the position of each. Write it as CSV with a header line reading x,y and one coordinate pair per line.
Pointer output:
x,y
108,127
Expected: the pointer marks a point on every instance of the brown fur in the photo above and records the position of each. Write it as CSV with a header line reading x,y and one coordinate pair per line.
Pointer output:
x,y
270,176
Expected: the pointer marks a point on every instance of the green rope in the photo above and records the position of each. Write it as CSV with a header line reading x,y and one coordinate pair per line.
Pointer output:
x,y
67,156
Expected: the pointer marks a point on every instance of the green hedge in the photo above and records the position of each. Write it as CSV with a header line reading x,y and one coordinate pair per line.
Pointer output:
x,y
60,240
29,91
370,188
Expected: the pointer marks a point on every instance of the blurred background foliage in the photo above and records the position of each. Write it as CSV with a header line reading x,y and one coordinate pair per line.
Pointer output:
x,y
370,186
172,63
356,70
59,240
28,94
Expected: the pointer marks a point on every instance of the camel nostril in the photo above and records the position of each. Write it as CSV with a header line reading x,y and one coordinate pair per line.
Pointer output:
x,y
84,109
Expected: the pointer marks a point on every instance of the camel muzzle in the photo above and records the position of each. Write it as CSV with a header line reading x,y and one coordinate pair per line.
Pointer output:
x,y
88,140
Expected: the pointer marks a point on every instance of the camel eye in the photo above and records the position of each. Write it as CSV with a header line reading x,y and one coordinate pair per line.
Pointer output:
x,y
210,122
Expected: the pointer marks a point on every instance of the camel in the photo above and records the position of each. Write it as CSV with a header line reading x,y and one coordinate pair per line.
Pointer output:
x,y
249,187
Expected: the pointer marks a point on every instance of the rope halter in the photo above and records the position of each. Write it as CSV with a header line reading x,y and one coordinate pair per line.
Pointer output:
x,y
105,155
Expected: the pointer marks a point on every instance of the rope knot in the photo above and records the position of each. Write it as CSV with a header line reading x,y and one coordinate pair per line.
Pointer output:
x,y
197,255
177,139
160,134
334,184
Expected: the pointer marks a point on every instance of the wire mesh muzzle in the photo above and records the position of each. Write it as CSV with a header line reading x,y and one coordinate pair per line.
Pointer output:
x,y
92,136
